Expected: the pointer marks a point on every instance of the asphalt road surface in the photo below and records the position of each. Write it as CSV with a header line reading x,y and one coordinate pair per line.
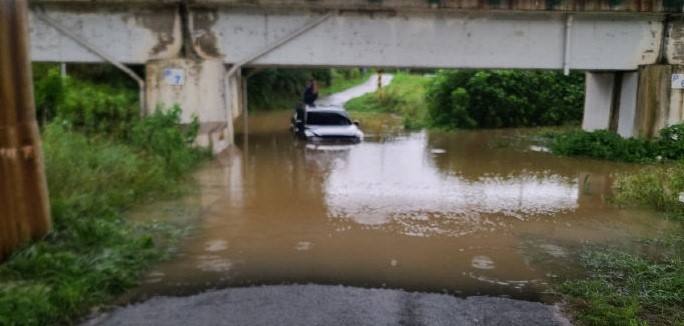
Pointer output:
x,y
330,305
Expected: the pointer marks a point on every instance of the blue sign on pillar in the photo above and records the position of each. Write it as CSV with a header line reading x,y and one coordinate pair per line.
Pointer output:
x,y
678,81
174,76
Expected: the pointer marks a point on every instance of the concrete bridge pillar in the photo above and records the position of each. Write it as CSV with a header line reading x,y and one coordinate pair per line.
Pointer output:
x,y
202,90
661,98
610,101
635,103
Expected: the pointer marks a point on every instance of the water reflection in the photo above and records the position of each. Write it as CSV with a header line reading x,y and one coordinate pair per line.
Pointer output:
x,y
381,183
449,212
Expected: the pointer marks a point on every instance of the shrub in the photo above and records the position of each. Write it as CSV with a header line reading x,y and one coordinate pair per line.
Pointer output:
x,y
160,134
503,99
92,251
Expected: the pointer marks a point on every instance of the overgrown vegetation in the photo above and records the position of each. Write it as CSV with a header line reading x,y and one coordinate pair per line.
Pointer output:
x,y
96,169
629,289
606,145
632,288
281,88
403,97
468,99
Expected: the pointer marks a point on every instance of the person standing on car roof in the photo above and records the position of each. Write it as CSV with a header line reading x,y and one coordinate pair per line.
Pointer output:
x,y
311,93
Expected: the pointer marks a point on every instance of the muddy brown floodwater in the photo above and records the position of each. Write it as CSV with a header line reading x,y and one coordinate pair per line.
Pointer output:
x,y
452,212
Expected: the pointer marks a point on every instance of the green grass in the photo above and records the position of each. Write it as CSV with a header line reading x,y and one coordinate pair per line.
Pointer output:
x,y
93,253
633,288
403,97
629,288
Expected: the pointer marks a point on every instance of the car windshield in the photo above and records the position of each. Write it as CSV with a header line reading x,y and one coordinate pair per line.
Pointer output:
x,y
327,119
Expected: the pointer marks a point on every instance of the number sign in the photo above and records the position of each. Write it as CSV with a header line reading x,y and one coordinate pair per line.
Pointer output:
x,y
174,77
677,81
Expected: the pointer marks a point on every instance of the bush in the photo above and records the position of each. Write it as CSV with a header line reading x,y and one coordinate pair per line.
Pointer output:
x,y
602,144
101,109
279,88
503,99
160,134
606,145
92,252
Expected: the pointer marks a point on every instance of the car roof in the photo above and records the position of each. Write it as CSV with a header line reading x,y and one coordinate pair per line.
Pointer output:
x,y
327,108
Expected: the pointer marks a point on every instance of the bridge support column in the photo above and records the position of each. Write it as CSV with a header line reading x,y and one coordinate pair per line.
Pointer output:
x,y
610,101
661,98
202,90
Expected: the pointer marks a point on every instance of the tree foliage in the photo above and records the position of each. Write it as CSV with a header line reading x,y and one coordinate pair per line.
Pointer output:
x,y
467,99
277,87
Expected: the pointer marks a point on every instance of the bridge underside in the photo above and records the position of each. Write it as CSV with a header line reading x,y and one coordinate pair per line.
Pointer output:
x,y
428,39
204,37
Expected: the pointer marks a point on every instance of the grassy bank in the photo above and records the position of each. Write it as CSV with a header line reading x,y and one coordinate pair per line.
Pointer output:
x,y
633,288
93,253
403,97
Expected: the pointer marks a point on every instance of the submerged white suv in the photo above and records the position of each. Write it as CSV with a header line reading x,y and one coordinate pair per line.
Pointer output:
x,y
320,124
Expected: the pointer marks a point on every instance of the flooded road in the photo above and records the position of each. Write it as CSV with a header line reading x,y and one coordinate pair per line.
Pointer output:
x,y
464,213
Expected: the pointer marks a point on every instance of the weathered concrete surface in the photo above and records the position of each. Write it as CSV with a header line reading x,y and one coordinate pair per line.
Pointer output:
x,y
127,33
485,39
381,35
659,104
331,305
566,5
202,90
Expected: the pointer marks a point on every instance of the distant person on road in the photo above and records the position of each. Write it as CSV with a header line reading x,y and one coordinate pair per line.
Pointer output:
x,y
311,93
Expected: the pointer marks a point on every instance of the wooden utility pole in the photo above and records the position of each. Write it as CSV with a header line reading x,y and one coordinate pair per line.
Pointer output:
x,y
24,207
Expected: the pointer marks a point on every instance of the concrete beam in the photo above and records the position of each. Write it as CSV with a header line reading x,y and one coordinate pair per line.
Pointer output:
x,y
430,39
128,34
517,5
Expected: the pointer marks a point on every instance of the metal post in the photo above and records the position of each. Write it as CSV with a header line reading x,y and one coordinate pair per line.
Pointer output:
x,y
24,207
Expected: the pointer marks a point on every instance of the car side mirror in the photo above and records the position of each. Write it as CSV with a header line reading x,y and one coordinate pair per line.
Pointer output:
x,y
357,123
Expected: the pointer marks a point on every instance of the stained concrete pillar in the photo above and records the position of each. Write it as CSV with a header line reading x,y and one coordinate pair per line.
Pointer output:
x,y
598,96
660,98
628,104
202,90
610,101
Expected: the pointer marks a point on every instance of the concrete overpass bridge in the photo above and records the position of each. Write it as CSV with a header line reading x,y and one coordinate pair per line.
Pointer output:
x,y
631,50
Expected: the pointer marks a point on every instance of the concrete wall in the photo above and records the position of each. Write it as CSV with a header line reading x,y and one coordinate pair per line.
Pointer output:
x,y
129,34
659,104
431,39
598,100
199,88
142,31
532,5
611,102
628,104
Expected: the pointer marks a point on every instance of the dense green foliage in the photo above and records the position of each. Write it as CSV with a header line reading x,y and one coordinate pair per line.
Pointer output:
x,y
606,145
92,252
466,99
90,107
403,97
280,88
602,144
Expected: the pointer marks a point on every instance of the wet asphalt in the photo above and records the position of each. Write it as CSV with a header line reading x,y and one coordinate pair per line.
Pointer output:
x,y
330,305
